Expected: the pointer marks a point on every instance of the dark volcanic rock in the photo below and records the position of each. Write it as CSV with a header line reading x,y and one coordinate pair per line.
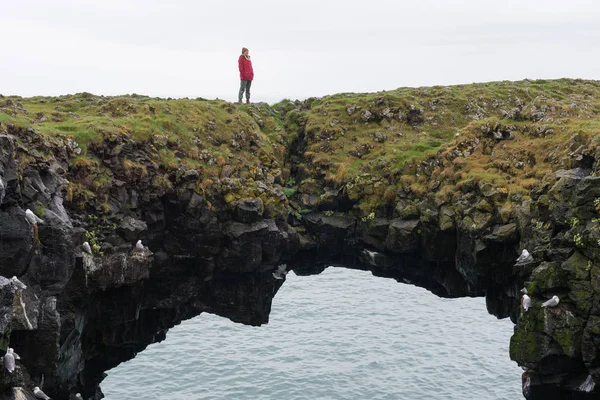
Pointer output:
x,y
16,242
131,228
249,210
403,236
83,314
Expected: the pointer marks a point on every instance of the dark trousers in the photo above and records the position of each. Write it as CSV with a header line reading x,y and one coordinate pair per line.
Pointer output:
x,y
244,86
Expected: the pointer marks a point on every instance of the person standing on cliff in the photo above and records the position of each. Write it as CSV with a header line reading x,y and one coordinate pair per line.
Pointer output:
x,y
246,75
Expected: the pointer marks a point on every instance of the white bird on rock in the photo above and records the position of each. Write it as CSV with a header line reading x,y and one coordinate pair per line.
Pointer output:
x,y
370,256
280,272
17,283
87,248
1,190
9,362
139,245
78,396
32,218
553,302
12,351
588,385
525,257
39,394
526,302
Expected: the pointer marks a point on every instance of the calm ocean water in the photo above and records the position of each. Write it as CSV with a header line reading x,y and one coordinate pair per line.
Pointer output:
x,y
343,334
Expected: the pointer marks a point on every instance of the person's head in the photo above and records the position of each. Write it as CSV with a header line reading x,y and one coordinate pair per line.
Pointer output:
x,y
244,51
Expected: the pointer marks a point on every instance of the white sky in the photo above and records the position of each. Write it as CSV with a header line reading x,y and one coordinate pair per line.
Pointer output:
x,y
301,48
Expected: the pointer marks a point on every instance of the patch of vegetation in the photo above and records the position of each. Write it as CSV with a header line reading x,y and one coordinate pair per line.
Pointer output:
x,y
510,135
372,148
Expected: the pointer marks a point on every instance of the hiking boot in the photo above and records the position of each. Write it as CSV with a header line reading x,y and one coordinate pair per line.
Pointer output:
x,y
240,102
248,101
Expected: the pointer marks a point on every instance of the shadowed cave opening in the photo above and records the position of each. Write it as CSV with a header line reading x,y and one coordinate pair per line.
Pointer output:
x,y
342,334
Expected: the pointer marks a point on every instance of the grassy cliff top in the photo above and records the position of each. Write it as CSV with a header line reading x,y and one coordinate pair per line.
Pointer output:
x,y
372,147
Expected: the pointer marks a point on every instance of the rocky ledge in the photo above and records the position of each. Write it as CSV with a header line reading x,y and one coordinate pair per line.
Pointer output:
x,y
211,244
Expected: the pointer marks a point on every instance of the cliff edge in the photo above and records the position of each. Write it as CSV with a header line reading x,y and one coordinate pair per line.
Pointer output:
x,y
441,187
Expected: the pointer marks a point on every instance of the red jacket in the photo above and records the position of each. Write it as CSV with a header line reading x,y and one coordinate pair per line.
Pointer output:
x,y
245,65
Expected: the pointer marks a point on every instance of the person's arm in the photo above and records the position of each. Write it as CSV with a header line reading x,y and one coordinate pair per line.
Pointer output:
x,y
241,65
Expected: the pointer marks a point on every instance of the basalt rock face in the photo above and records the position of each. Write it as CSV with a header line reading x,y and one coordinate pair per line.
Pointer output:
x,y
559,346
82,314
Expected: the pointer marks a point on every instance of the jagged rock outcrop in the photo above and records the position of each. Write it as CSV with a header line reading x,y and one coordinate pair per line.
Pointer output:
x,y
559,346
82,314
214,235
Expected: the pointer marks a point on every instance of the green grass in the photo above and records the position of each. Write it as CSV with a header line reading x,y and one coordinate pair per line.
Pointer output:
x,y
334,133
341,146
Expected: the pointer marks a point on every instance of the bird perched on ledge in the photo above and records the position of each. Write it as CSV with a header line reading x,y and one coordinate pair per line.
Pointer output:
x,y
17,283
37,392
370,255
9,362
2,190
12,351
139,245
525,257
280,272
32,218
525,303
553,302
87,248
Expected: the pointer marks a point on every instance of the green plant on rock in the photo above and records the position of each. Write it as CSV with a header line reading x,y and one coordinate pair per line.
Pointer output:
x,y
578,239
573,222
39,209
93,241
294,212
539,224
289,191
368,218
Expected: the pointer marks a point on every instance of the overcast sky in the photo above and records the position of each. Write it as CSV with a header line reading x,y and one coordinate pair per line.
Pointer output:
x,y
304,48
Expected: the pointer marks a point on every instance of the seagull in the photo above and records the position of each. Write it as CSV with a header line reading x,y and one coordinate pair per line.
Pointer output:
x,y
17,283
371,255
139,245
78,396
9,362
12,351
87,248
280,272
525,257
32,218
1,190
524,291
39,394
553,302
525,302
588,385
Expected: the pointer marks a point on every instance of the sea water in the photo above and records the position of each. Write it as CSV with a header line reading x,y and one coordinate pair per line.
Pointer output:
x,y
343,334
